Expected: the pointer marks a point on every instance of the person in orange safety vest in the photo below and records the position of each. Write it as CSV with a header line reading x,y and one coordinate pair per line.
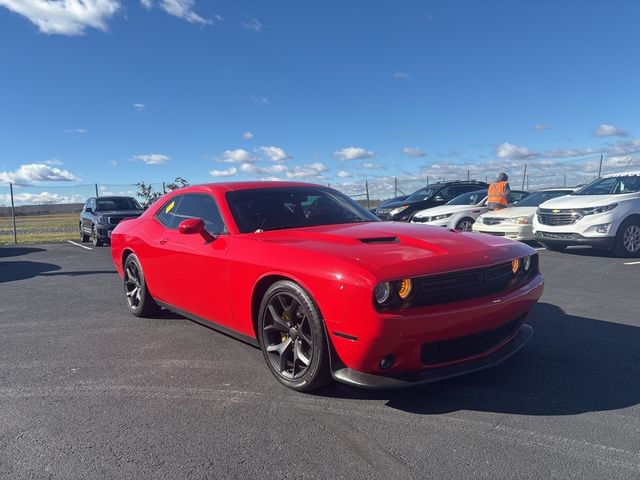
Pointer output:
x,y
498,194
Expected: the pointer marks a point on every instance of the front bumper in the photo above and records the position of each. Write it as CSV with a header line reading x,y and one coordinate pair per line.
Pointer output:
x,y
104,231
512,231
492,359
560,238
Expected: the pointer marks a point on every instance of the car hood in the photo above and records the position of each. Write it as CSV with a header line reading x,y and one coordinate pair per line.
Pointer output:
x,y
397,249
586,201
511,212
443,209
392,205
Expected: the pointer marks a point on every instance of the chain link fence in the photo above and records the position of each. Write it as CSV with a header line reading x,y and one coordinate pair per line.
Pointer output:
x,y
37,213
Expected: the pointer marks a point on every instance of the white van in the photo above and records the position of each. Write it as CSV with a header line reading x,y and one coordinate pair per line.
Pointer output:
x,y
604,214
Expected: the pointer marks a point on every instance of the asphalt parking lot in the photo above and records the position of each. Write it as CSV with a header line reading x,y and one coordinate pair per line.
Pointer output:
x,y
88,391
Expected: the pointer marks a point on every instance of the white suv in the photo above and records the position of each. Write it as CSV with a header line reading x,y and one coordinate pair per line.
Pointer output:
x,y
604,214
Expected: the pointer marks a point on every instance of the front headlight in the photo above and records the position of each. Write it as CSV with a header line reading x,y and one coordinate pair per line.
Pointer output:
x,y
519,220
102,219
382,292
599,209
441,217
479,220
396,211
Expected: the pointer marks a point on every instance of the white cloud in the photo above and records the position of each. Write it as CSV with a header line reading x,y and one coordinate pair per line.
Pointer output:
x,y
514,152
401,76
540,127
275,154
354,153
229,172
253,24
239,155
271,169
179,8
372,166
65,17
413,152
247,135
605,130
152,158
79,131
624,147
344,174
113,163
312,170
139,106
37,172
260,100
569,152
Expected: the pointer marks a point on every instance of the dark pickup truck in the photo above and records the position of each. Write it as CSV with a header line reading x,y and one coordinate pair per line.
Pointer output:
x,y
100,215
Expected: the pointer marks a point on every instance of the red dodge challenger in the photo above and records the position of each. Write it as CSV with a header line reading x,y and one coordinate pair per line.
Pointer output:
x,y
324,288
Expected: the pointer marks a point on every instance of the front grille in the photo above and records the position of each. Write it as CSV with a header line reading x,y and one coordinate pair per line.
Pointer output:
x,y
560,217
497,234
461,347
115,220
420,219
558,236
492,220
466,284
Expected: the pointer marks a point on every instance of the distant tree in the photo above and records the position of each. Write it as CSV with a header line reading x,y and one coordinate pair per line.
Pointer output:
x,y
146,193
179,182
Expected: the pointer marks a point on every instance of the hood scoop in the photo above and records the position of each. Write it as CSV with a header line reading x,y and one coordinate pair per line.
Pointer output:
x,y
374,240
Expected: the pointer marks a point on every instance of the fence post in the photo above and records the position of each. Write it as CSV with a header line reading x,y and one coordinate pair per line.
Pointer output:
x,y
600,167
13,214
395,187
468,175
366,187
96,185
524,175
565,180
164,188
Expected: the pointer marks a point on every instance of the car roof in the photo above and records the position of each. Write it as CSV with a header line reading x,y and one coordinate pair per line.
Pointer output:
x,y
235,186
633,173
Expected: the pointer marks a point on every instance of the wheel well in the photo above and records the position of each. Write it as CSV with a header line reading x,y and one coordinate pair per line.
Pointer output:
x,y
256,298
125,255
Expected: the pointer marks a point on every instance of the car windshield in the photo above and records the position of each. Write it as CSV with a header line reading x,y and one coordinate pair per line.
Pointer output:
x,y
117,203
264,209
471,198
537,198
421,194
612,186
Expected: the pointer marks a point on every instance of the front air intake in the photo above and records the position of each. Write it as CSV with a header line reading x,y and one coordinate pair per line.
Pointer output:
x,y
379,240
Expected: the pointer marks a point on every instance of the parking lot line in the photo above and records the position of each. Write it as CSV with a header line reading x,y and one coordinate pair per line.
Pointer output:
x,y
78,245
632,263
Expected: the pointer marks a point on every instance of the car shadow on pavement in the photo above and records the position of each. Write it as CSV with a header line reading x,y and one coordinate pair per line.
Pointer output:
x,y
590,252
17,251
23,270
572,365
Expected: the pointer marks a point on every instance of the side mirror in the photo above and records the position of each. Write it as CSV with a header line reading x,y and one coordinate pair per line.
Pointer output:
x,y
195,225
88,210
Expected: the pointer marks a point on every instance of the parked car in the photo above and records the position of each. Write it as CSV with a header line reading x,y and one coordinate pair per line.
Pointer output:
x,y
387,202
326,289
461,212
516,222
426,197
100,215
604,214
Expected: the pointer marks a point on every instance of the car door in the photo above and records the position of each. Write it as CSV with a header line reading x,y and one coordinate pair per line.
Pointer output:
x,y
196,270
87,215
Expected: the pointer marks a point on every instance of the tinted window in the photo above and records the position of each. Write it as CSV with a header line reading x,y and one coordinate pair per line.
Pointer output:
x,y
421,194
199,206
166,215
612,186
117,203
517,196
471,198
292,207
537,198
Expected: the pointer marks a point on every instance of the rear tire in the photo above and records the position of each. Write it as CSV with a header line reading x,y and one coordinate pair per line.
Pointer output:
x,y
627,243
292,337
465,224
139,300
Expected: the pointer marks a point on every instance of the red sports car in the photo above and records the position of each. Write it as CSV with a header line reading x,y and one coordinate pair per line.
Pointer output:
x,y
324,288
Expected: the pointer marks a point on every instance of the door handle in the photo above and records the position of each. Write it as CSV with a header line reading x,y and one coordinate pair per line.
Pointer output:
x,y
163,241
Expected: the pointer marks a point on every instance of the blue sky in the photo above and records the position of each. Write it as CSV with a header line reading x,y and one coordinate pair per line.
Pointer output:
x,y
334,92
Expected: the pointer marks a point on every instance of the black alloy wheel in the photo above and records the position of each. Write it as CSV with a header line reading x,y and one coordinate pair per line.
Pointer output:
x,y
292,337
465,224
139,300
95,240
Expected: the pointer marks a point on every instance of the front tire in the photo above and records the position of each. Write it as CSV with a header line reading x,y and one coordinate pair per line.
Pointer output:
x,y
627,243
465,224
83,236
139,300
292,337
95,240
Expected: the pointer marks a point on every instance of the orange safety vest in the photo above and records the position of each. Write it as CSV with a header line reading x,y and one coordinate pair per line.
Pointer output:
x,y
496,193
